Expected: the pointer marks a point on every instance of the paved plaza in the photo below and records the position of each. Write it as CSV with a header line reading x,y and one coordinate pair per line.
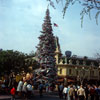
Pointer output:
x,y
47,97
5,97
36,97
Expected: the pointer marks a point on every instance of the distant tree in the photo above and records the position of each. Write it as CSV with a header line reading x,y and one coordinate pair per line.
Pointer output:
x,y
31,62
88,6
97,55
31,54
11,61
16,61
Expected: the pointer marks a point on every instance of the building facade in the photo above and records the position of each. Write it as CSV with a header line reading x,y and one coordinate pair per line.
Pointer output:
x,y
76,69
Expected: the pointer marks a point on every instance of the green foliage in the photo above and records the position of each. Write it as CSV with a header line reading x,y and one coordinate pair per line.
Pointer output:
x,y
11,61
31,54
16,61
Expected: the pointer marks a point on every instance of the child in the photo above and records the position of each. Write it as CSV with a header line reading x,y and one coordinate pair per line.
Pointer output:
x,y
13,90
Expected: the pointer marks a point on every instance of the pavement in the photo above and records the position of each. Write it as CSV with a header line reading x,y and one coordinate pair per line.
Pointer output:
x,y
5,97
46,96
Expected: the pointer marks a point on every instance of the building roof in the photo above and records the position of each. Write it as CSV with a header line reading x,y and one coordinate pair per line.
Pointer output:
x,y
78,60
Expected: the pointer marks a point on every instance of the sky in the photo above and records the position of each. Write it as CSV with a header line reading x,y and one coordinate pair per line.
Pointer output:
x,y
21,22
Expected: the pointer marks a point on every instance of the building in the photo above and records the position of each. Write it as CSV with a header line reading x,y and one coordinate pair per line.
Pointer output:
x,y
76,69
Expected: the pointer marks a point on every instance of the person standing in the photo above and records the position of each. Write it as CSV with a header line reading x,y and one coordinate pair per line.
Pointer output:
x,y
87,92
29,89
68,97
13,90
47,87
92,92
81,93
61,91
19,87
71,93
24,89
41,89
99,91
65,92
76,96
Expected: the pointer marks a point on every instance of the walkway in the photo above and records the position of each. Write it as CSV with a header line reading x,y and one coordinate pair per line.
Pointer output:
x,y
51,96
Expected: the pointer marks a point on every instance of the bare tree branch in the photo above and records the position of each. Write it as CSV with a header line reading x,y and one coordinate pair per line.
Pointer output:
x,y
88,5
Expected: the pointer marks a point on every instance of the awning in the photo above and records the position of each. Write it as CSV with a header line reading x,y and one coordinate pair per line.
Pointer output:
x,y
69,80
60,80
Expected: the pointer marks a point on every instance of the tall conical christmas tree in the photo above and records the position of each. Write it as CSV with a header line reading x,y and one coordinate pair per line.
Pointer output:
x,y
46,51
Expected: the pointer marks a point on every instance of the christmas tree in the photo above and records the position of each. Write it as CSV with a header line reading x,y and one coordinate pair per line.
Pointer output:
x,y
46,51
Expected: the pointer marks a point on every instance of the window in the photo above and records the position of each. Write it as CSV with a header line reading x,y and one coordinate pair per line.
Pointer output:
x,y
70,71
60,71
77,72
92,73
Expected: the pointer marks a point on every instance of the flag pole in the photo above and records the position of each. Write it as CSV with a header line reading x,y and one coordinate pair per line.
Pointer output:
x,y
48,6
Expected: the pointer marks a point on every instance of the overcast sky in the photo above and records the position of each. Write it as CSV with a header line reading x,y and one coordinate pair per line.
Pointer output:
x,y
21,21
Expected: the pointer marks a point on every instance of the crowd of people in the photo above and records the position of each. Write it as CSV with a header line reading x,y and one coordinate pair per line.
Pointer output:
x,y
72,92
24,88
